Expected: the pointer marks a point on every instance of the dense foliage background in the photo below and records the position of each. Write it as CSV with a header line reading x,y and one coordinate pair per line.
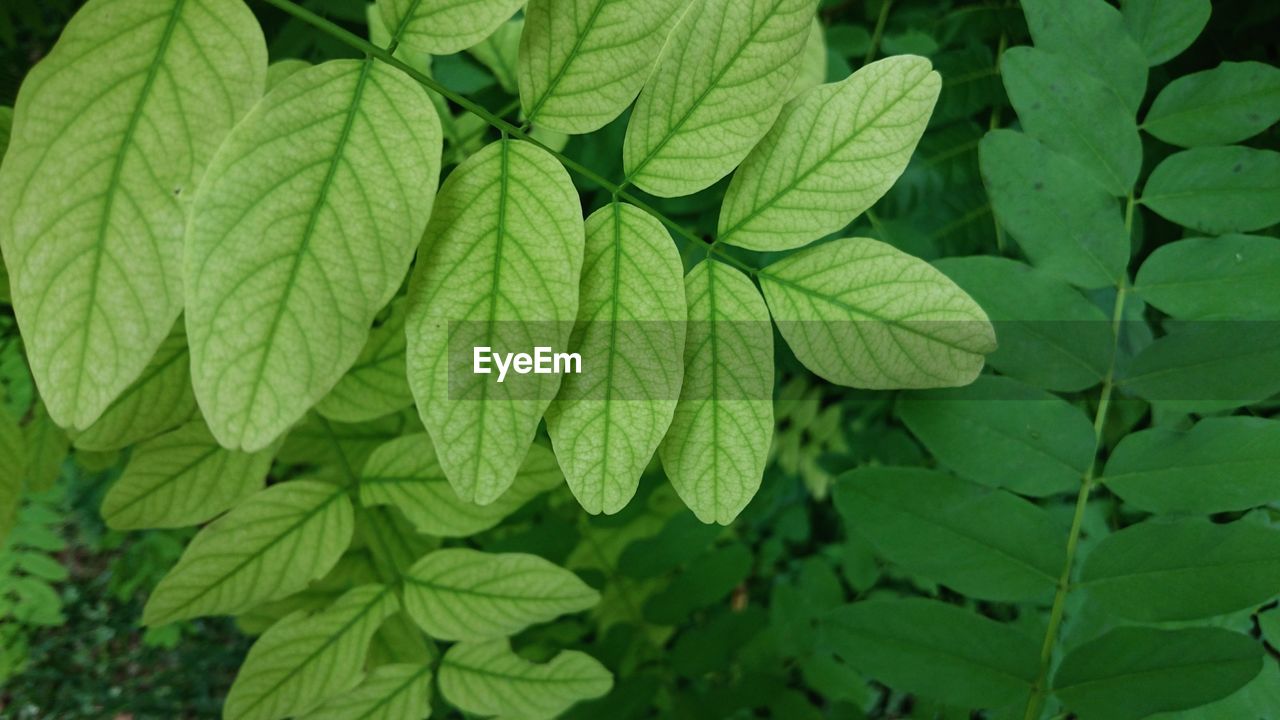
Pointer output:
x,y
705,621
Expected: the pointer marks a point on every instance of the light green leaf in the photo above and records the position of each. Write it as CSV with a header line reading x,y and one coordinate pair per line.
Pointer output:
x,y
499,267
160,399
1002,433
717,87
441,27
499,51
1065,222
488,679
1049,334
1233,277
389,692
1164,28
1227,104
832,154
1219,465
985,543
1075,114
1131,672
1185,570
269,546
715,452
861,313
274,325
305,659
1207,365
813,65
405,474
377,383
463,594
1092,35
281,69
582,62
607,421
13,467
182,478
937,650
1217,189
111,133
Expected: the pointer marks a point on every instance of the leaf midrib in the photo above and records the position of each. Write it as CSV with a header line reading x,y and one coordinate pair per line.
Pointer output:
x,y
564,67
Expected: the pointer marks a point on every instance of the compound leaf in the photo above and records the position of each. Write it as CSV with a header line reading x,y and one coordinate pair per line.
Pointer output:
x,y
377,383
112,131
463,594
486,678
1227,104
269,546
1207,365
716,449
1132,672
1164,28
274,324
1233,277
985,543
388,692
717,87
607,421
442,27
405,474
1217,189
582,62
303,660
499,267
861,313
831,155
1091,34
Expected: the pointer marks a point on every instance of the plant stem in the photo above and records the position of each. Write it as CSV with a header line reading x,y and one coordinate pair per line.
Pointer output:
x,y
508,129
1040,691
878,33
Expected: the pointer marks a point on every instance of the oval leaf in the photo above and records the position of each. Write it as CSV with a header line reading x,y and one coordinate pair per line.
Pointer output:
x,y
1233,277
488,679
377,383
442,27
1091,34
1164,28
388,692
1227,104
1217,189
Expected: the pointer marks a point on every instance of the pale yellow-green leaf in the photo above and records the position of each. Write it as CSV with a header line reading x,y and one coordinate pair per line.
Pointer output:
x,y
607,421
715,90
861,313
111,133
281,69
389,692
499,267
833,153
582,62
302,231
487,678
377,383
716,449
441,27
813,65
499,52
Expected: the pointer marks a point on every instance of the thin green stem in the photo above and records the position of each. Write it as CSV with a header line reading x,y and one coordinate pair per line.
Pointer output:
x,y
507,128
878,33
1040,691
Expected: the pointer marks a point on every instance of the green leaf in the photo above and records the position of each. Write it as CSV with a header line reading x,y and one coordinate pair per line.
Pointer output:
x,y
405,474
1049,334
441,27
861,313
499,267
937,650
1227,104
582,62
13,467
388,692
1219,465
985,543
499,52
1185,570
160,399
1092,35
1002,433
1075,114
831,155
488,679
1130,672
281,69
274,325
182,478
1164,28
607,421
1217,190
1207,365
813,64
47,447
716,450
717,87
1233,277
6,128
462,594
269,546
377,384
112,131
1066,223
303,660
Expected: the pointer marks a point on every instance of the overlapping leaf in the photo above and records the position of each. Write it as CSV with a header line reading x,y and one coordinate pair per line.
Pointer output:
x,y
1092,35
444,26
1164,28
1227,104
1217,189
377,383
388,692
488,679
1233,277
